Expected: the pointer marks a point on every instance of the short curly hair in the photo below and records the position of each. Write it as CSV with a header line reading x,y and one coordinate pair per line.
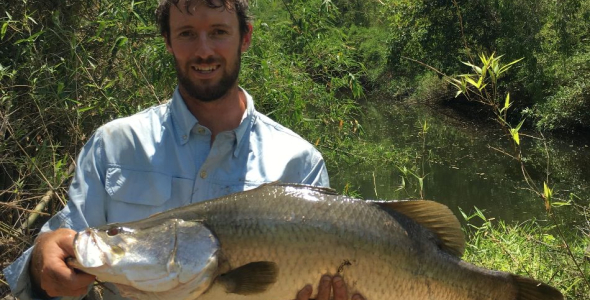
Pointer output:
x,y
240,7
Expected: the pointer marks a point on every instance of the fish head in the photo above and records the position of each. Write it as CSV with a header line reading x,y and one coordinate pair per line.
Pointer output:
x,y
148,256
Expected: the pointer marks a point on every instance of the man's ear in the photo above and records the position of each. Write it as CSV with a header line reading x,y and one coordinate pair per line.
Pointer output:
x,y
247,38
167,41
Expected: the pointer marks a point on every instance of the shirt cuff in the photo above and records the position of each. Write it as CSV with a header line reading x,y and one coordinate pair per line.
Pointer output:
x,y
19,278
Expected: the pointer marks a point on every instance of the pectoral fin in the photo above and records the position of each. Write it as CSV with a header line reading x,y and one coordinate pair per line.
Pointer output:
x,y
249,279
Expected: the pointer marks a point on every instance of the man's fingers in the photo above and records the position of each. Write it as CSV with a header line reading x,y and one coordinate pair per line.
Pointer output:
x,y
324,288
339,287
327,286
49,270
65,242
305,293
75,284
82,279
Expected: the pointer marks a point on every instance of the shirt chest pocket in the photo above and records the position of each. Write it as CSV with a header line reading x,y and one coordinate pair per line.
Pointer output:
x,y
139,194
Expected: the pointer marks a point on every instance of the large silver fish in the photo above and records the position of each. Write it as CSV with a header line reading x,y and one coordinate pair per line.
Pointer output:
x,y
269,242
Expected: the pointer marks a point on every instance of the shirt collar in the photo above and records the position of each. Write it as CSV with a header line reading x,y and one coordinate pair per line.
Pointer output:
x,y
185,120
246,123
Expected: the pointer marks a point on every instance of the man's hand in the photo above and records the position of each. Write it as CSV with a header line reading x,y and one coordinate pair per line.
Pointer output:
x,y
326,286
49,272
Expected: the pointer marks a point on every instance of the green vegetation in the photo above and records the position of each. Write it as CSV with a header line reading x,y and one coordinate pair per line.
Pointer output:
x,y
529,249
66,69
482,86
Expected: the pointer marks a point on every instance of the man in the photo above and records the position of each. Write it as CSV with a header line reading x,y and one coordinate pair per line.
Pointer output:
x,y
207,142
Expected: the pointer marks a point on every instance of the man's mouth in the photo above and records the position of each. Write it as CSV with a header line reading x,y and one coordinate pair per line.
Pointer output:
x,y
205,69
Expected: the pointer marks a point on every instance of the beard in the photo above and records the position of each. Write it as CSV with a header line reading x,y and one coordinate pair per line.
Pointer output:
x,y
212,91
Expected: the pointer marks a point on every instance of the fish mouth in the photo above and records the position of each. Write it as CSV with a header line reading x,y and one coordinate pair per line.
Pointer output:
x,y
88,250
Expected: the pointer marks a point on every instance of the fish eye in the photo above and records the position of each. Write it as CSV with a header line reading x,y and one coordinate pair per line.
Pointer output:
x,y
113,231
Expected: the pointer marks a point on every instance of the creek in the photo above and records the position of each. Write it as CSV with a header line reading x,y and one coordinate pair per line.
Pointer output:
x,y
464,164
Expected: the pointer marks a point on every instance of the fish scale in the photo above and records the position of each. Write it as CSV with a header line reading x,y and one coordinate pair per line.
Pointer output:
x,y
383,250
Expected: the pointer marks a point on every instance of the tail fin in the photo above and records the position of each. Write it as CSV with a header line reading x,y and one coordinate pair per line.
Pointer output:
x,y
530,289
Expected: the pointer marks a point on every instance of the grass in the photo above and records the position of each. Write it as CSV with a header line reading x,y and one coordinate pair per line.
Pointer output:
x,y
530,248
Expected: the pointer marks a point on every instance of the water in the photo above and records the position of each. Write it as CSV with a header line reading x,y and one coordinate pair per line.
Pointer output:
x,y
464,165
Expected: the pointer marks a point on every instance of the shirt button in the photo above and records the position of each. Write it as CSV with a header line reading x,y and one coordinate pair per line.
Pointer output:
x,y
184,137
203,174
201,130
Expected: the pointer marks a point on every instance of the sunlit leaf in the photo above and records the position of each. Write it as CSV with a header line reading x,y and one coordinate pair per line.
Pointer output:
x,y
547,196
119,43
3,30
547,192
507,101
81,110
475,84
31,38
519,125
515,135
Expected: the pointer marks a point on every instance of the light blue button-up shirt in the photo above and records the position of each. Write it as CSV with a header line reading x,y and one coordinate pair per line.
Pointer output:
x,y
163,158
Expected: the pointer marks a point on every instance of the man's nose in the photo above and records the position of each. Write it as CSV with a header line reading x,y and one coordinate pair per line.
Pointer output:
x,y
203,46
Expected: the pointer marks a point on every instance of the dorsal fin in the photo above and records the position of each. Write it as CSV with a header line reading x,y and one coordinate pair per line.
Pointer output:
x,y
436,217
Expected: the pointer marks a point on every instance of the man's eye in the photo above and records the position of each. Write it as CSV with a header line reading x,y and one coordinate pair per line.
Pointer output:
x,y
185,34
219,32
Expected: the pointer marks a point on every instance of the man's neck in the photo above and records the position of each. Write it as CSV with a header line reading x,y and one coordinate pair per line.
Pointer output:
x,y
219,115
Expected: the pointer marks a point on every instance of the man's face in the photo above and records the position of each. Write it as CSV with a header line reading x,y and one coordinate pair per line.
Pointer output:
x,y
207,49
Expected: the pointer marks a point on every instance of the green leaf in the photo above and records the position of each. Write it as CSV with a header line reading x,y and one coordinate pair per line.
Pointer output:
x,y
475,84
139,18
480,214
507,102
548,238
424,126
60,87
120,42
560,204
3,30
515,135
508,66
478,70
547,196
547,192
469,64
81,110
31,38
519,125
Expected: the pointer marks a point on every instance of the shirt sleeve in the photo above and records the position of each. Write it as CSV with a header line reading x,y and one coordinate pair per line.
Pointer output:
x,y
87,184
318,174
